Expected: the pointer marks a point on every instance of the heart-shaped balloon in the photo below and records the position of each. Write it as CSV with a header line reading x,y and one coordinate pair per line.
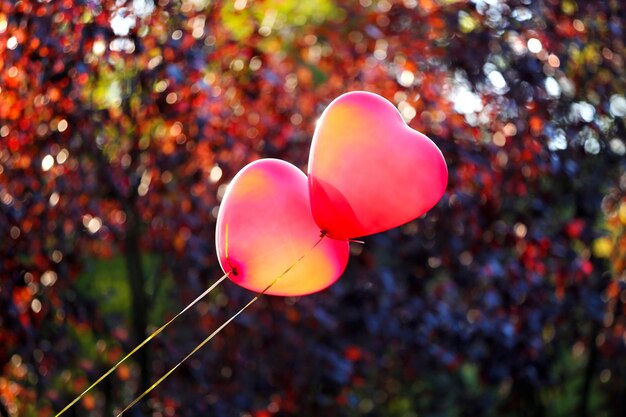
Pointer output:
x,y
264,227
368,170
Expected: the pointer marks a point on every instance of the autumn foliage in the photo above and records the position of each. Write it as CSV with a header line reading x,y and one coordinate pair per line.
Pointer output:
x,y
122,122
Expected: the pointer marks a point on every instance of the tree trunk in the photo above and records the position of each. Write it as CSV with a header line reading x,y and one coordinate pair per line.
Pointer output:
x,y
140,301
583,408
3,410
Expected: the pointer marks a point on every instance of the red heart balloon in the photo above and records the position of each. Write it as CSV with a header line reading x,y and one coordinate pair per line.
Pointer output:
x,y
264,226
368,170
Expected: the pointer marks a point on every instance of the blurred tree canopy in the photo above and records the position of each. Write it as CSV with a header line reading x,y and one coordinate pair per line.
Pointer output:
x,y
121,123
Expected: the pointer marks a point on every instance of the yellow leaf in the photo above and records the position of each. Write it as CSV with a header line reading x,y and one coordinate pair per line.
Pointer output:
x,y
466,22
568,7
602,247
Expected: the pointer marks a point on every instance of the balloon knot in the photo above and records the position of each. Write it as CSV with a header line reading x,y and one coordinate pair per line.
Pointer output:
x,y
232,268
323,233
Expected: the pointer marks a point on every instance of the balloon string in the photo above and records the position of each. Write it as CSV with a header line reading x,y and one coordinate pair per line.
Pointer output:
x,y
139,346
219,329
204,342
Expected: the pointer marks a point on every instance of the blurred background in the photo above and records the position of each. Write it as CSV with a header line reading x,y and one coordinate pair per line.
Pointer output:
x,y
122,122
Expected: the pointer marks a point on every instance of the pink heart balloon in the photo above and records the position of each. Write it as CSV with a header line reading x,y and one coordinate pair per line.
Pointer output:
x,y
264,226
368,170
